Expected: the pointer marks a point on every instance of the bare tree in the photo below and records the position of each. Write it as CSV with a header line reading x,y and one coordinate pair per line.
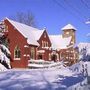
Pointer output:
x,y
26,18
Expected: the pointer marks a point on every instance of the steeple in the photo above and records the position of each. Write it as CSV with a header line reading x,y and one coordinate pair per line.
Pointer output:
x,y
69,30
68,26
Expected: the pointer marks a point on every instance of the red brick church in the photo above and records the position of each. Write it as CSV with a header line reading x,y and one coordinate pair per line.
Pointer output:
x,y
26,43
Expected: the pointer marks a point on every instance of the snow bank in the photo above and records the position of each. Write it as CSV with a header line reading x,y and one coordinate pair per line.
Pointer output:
x,y
77,67
2,68
44,64
38,63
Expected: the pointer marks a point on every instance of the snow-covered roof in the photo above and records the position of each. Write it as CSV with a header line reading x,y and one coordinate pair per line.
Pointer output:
x,y
32,34
37,34
68,26
58,42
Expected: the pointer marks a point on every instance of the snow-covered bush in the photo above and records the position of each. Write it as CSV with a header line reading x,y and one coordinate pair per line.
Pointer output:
x,y
4,56
2,68
84,51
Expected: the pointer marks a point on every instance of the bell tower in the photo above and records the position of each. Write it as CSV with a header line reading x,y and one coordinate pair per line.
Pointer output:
x,y
68,31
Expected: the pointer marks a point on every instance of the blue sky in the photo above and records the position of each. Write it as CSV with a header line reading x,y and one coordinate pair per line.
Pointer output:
x,y
52,14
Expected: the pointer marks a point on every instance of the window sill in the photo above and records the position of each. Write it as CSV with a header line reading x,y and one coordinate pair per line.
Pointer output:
x,y
17,58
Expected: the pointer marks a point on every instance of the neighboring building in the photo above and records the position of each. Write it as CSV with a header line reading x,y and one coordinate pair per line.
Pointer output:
x,y
27,43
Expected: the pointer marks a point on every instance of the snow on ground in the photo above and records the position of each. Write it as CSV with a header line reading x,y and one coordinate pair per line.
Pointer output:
x,y
2,68
77,68
52,78
39,79
80,86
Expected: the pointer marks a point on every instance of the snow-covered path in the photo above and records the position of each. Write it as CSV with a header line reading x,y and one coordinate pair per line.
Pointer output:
x,y
44,79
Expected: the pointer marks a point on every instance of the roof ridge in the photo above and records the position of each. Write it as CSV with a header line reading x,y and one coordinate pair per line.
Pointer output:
x,y
20,23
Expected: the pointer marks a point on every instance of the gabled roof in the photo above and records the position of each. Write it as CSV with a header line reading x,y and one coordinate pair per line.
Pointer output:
x,y
32,34
68,26
38,33
58,42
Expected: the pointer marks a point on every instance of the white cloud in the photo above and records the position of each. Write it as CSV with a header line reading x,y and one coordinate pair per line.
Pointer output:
x,y
88,34
87,22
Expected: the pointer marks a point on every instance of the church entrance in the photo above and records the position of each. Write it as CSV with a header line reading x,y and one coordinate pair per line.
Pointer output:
x,y
40,56
54,57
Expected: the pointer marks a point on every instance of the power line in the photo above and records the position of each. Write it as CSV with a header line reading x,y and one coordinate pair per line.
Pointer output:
x,y
68,11
75,9
85,3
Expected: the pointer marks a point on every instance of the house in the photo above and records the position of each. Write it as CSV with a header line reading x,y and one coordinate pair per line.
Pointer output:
x,y
26,43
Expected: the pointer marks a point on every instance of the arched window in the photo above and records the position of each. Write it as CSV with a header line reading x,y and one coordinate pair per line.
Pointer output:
x,y
57,56
6,28
46,44
17,52
49,56
32,53
42,43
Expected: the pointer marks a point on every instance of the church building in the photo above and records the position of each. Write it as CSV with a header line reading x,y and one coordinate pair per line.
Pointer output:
x,y
26,43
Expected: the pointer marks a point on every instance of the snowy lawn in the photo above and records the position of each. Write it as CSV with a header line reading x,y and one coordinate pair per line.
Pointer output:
x,y
38,79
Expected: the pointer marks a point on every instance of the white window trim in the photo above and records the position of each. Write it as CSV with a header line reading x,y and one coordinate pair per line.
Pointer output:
x,y
49,56
17,58
57,56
